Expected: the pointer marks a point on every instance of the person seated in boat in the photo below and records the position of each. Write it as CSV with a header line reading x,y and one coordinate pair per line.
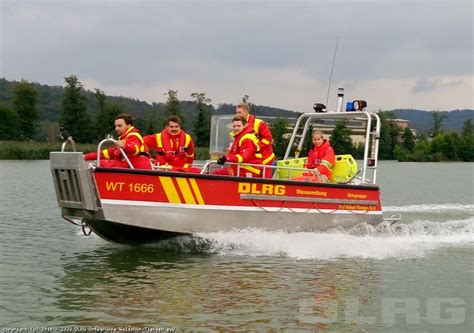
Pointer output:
x,y
174,147
263,134
321,159
130,142
244,149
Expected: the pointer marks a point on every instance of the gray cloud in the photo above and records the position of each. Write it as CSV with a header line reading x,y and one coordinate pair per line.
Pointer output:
x,y
424,85
148,42
454,83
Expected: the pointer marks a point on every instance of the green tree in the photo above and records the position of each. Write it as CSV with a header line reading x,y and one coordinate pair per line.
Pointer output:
x,y
105,119
400,153
111,110
466,145
341,140
279,129
408,140
9,128
456,143
50,131
102,124
443,147
101,97
202,126
25,100
358,152
437,118
154,121
74,116
468,128
422,149
388,136
466,151
140,123
172,106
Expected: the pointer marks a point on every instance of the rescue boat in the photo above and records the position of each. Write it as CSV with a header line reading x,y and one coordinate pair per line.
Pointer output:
x,y
141,206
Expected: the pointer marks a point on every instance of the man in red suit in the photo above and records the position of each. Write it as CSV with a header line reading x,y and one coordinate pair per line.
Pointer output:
x,y
173,146
131,143
244,149
263,134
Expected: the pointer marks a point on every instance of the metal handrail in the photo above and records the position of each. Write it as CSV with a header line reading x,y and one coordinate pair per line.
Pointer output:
x,y
303,135
366,147
375,150
121,150
68,140
212,162
264,168
374,136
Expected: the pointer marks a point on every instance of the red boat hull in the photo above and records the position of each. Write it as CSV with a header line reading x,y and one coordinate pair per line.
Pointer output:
x,y
190,203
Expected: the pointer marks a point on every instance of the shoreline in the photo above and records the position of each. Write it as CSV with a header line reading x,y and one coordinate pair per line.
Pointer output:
x,y
34,150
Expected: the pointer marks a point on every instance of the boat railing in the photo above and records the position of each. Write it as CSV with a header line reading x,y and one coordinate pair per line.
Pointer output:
x,y
371,144
212,165
69,140
109,139
278,171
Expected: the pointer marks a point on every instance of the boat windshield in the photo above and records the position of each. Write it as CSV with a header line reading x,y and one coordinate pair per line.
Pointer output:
x,y
221,125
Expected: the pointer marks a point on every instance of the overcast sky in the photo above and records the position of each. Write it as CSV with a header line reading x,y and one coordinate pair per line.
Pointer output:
x,y
394,54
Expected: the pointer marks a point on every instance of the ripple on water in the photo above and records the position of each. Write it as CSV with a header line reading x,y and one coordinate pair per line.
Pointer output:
x,y
250,280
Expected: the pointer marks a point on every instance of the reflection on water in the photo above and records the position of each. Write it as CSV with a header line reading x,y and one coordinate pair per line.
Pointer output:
x,y
149,287
51,275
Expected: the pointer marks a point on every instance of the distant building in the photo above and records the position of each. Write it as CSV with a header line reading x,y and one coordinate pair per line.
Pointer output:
x,y
358,128
402,123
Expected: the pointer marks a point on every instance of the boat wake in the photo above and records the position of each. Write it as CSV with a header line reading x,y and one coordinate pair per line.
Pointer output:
x,y
432,212
402,241
423,230
432,208
416,236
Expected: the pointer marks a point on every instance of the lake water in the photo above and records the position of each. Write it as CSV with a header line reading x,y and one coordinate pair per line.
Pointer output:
x,y
414,277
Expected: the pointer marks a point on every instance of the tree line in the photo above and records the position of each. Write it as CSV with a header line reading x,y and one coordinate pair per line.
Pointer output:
x,y
395,143
21,122
432,146
21,118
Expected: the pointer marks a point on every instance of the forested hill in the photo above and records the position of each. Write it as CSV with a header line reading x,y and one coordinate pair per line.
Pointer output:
x,y
50,104
50,100
422,121
258,110
50,108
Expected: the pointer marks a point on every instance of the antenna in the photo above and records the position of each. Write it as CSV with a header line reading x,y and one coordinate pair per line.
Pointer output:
x,y
332,68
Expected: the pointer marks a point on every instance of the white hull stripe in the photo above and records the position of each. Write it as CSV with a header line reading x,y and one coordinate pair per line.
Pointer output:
x,y
234,208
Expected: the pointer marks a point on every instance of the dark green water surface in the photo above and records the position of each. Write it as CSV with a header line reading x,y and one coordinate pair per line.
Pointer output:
x,y
415,277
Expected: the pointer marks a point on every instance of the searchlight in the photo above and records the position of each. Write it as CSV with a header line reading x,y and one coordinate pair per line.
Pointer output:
x,y
319,108
357,105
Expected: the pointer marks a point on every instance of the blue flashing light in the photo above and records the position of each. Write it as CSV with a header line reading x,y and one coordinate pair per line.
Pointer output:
x,y
357,105
350,106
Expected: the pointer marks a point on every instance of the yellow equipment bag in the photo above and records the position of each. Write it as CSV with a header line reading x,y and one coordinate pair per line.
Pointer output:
x,y
282,173
344,170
